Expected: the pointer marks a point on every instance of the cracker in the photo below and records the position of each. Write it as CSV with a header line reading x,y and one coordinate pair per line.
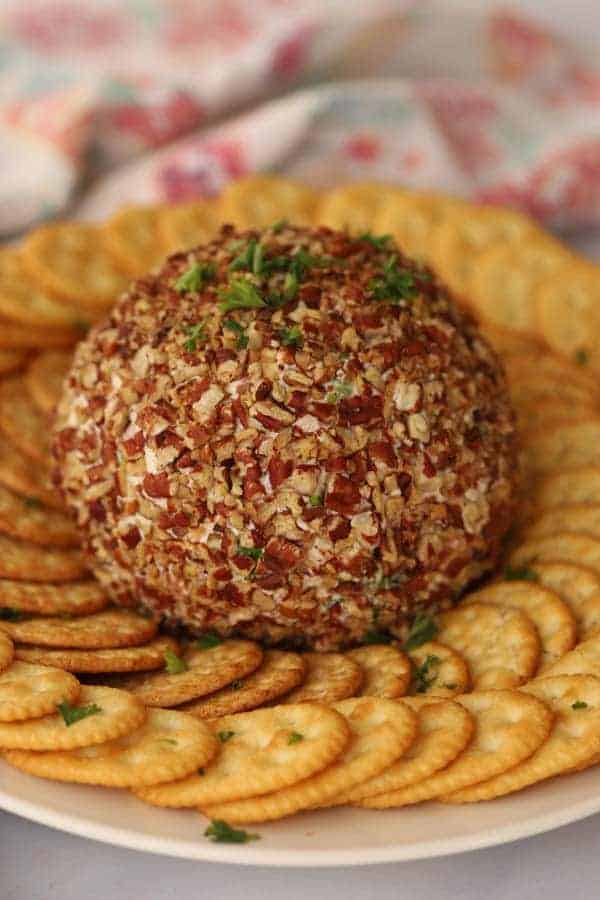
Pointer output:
x,y
551,616
186,225
466,231
563,547
584,659
381,732
445,729
120,659
500,644
132,237
574,486
207,671
28,691
71,260
278,674
30,562
567,445
411,218
508,343
25,518
24,302
438,671
14,336
583,518
167,745
502,286
118,714
568,312
258,201
6,651
22,422
354,207
329,677
12,360
573,742
45,376
578,587
78,598
386,670
17,474
261,755
509,727
106,629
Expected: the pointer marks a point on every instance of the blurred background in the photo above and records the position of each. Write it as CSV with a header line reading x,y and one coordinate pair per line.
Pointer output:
x,y
106,102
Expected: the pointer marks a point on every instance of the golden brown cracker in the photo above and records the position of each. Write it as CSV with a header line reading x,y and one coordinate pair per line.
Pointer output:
x,y
579,587
22,422
386,670
106,629
329,677
29,691
438,671
120,659
29,562
45,376
33,481
77,598
25,518
258,201
563,547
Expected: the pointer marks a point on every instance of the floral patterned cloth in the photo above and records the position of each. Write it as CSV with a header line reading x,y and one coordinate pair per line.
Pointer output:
x,y
488,104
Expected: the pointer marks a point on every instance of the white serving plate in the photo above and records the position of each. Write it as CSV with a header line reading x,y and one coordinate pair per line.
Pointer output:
x,y
338,837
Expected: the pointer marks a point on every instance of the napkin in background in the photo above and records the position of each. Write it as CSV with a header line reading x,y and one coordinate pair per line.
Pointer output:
x,y
475,100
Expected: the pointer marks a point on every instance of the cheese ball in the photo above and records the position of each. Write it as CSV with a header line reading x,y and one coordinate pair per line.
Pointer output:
x,y
292,435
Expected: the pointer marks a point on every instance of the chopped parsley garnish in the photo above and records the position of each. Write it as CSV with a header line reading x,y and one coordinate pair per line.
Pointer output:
x,y
196,277
237,685
194,334
225,736
333,601
423,676
521,573
579,704
240,294
168,741
255,553
290,286
242,338
291,337
316,499
220,831
423,629
394,285
340,389
278,226
174,664
32,503
8,614
295,737
379,241
376,637
582,357
72,714
208,641
388,582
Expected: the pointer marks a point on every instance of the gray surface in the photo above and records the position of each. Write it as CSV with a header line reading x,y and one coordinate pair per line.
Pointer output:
x,y
39,864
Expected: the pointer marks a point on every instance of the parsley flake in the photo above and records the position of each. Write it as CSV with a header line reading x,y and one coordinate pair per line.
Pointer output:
x,y
208,641
376,637
295,737
423,676
582,357
254,553
242,338
239,294
521,573
340,389
423,629
237,685
220,831
225,736
394,285
72,714
291,337
32,503
194,334
579,704
290,286
196,277
316,499
278,226
174,664
8,614
379,241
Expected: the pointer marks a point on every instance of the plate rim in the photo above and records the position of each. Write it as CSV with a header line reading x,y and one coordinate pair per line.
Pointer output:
x,y
255,855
